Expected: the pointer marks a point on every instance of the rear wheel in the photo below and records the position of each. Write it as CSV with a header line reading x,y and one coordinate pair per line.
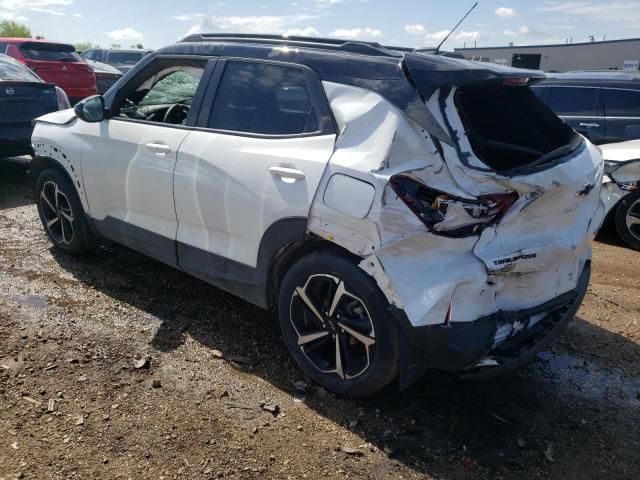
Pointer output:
x,y
628,219
61,213
336,324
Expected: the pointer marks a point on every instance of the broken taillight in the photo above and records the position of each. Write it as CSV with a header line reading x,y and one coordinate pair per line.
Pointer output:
x,y
515,81
448,215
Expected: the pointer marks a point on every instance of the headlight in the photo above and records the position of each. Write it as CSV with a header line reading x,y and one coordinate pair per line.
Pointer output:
x,y
449,215
63,100
627,175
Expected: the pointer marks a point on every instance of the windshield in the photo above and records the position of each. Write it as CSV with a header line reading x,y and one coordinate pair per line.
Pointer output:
x,y
50,52
10,70
177,87
125,57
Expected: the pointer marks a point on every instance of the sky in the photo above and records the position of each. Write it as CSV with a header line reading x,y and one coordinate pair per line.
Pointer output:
x,y
411,23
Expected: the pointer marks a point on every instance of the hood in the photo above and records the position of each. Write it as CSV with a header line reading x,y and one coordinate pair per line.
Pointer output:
x,y
621,151
57,118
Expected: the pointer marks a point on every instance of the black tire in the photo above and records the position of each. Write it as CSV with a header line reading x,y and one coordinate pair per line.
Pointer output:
x,y
365,368
629,207
61,213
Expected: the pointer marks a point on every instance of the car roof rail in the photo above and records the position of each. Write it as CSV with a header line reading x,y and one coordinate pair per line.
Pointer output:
x,y
341,45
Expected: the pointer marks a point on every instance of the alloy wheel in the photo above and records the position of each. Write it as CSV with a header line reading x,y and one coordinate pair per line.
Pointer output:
x,y
633,219
334,328
57,212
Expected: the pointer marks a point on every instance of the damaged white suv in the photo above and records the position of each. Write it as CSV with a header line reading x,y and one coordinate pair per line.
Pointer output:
x,y
401,210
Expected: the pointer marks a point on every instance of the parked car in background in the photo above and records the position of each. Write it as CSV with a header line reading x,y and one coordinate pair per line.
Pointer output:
x,y
121,59
401,210
55,63
106,75
603,106
621,190
23,97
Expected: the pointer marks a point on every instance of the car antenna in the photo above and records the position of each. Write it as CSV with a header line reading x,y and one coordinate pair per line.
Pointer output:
x,y
454,28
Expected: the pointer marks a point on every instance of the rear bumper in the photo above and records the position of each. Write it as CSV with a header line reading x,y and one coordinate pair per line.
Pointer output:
x,y
15,141
471,348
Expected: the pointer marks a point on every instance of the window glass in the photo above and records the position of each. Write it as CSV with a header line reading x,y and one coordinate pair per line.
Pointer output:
x,y
3,47
577,102
263,99
125,57
621,103
89,55
13,70
50,52
540,92
165,97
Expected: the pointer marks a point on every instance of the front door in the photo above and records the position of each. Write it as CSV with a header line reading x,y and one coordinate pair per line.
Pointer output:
x,y
258,158
622,110
129,159
581,108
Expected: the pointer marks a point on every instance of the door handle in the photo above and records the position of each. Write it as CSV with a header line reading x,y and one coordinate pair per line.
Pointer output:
x,y
286,173
159,148
590,125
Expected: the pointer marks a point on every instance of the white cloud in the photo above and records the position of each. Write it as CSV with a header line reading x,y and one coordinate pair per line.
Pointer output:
x,y
125,35
188,17
434,38
505,12
524,30
600,11
249,24
356,33
30,4
302,32
12,17
328,3
39,6
78,15
415,29
49,11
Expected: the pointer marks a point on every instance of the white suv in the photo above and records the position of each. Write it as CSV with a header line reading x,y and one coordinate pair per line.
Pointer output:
x,y
401,210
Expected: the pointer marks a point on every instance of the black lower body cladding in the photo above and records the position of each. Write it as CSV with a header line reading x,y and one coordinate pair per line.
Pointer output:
x,y
459,346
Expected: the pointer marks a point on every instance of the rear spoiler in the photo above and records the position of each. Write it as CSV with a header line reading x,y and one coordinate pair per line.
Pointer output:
x,y
430,72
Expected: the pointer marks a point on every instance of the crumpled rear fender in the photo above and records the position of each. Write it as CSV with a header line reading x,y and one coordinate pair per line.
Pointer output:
x,y
432,278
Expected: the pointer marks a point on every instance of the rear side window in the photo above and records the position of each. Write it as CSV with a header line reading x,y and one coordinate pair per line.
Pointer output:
x,y
621,103
3,47
263,99
10,70
125,57
576,102
50,52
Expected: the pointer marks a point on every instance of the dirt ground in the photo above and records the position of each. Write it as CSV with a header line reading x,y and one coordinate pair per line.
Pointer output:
x,y
73,405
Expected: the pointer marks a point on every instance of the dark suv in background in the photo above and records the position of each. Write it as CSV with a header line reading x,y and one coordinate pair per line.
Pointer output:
x,y
121,59
603,106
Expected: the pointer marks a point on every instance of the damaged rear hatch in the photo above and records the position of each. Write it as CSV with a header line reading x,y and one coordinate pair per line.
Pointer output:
x,y
504,147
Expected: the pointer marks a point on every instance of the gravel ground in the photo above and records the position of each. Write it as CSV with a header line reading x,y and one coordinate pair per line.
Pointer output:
x,y
116,366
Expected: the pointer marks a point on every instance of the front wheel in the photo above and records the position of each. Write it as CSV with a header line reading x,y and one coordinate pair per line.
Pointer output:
x,y
628,219
61,213
335,321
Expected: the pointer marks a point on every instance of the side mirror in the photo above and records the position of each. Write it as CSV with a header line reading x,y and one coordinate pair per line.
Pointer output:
x,y
90,109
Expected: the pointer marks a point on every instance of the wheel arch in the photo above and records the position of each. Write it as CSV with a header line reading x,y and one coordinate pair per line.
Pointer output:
x,y
40,163
290,253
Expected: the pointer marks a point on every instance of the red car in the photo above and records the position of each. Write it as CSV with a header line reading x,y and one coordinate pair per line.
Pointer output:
x,y
55,63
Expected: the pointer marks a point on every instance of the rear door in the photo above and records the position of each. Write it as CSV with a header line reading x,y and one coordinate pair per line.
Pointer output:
x,y
581,108
622,113
264,139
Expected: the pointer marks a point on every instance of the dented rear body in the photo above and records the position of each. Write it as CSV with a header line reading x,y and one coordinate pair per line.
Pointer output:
x,y
477,230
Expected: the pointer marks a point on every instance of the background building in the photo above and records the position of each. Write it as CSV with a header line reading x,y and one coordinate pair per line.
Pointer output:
x,y
605,55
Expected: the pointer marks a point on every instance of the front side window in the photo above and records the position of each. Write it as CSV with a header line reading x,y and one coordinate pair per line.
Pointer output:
x,y
164,97
621,103
265,99
574,102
